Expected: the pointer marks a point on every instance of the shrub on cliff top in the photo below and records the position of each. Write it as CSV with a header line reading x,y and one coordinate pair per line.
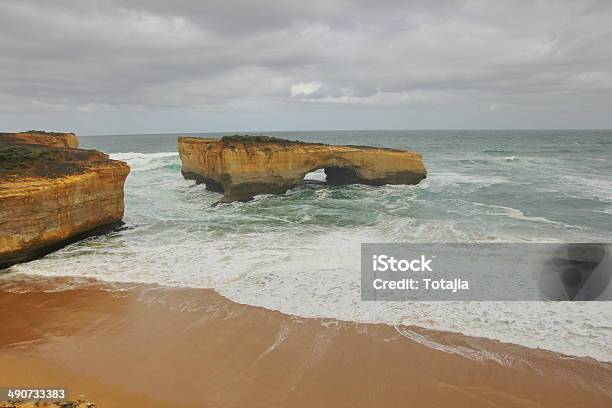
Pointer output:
x,y
247,139
20,154
43,132
22,161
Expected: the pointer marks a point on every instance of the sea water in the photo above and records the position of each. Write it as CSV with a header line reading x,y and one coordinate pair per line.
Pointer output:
x,y
300,252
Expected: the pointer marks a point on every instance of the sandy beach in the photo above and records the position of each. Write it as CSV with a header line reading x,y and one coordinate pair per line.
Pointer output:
x,y
138,345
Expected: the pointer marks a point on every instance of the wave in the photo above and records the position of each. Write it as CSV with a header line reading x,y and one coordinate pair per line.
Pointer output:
x,y
607,211
136,155
440,182
498,151
145,161
472,162
318,175
315,274
587,187
519,215
469,353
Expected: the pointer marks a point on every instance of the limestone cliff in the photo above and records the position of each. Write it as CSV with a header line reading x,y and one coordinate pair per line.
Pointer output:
x,y
54,139
53,195
241,167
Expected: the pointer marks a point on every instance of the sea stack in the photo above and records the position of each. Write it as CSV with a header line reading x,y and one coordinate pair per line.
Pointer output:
x,y
241,167
52,193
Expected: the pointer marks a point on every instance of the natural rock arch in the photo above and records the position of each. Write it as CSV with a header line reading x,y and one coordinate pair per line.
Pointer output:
x,y
242,167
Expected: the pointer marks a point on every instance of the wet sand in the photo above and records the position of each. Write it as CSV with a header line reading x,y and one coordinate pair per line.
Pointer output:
x,y
146,346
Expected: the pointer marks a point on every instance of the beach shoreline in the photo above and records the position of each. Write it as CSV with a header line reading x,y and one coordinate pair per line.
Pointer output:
x,y
121,344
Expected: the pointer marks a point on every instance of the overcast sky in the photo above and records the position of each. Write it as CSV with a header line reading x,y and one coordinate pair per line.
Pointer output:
x,y
156,66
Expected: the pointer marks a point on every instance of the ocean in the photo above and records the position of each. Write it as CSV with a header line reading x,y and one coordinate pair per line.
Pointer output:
x,y
299,252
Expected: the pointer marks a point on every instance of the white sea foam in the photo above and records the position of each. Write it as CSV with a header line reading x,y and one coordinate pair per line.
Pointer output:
x,y
318,175
587,187
519,215
472,354
317,275
441,181
142,156
143,161
605,211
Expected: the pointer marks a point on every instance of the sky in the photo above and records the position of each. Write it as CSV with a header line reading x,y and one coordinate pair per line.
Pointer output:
x,y
157,66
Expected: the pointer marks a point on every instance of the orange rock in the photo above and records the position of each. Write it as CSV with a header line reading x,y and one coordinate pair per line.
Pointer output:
x,y
44,138
241,167
50,196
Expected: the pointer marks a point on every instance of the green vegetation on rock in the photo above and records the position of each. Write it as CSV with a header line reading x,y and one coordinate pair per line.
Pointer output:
x,y
247,139
43,132
21,154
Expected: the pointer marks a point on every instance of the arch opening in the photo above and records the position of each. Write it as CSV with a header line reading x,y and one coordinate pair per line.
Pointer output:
x,y
333,175
315,176
341,175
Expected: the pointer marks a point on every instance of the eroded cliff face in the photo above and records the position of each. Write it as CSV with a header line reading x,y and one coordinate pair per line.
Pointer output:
x,y
241,167
53,139
50,196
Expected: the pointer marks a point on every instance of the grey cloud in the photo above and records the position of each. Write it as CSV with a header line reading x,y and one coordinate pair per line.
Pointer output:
x,y
83,56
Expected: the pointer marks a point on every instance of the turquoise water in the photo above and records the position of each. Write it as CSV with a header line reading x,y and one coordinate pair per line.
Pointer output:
x,y
299,252
520,185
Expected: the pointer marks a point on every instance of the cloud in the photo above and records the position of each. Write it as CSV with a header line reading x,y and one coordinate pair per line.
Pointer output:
x,y
305,88
93,56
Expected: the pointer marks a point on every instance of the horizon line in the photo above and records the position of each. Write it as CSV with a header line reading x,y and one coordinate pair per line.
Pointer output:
x,y
259,132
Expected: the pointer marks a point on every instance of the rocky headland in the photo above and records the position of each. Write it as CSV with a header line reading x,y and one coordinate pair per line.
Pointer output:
x,y
54,139
241,167
52,193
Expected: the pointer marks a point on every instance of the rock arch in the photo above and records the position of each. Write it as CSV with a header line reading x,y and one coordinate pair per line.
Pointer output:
x,y
242,167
